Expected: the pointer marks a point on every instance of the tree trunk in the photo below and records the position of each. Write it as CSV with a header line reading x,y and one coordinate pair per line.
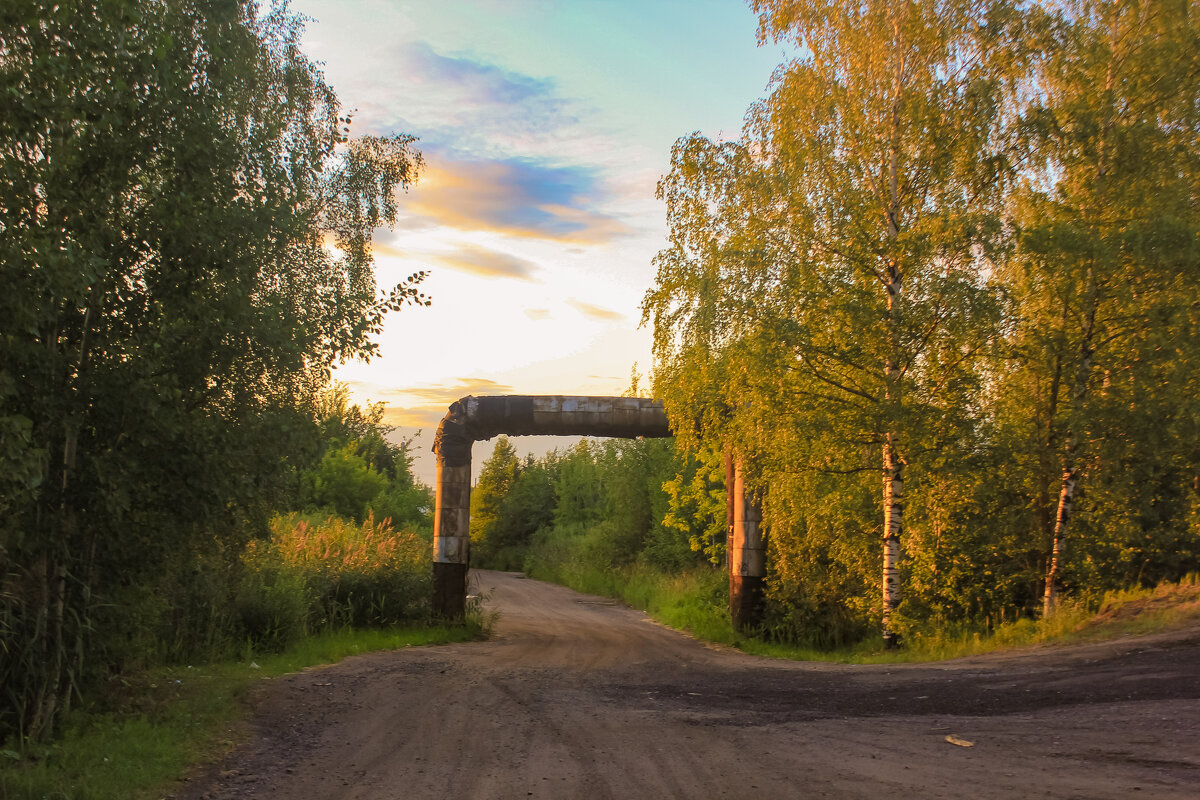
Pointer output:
x,y
47,659
893,526
893,280
1070,474
893,463
1066,497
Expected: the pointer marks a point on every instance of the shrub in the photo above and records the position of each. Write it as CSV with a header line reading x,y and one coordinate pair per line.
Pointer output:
x,y
343,482
272,600
332,573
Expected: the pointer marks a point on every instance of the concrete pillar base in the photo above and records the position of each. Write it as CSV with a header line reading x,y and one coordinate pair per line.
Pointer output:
x,y
449,590
745,602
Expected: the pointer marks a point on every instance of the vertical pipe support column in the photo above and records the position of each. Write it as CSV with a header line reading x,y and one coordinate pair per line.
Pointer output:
x,y
451,540
747,556
452,515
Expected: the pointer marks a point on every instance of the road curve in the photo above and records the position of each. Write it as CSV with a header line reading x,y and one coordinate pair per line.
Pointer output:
x,y
576,697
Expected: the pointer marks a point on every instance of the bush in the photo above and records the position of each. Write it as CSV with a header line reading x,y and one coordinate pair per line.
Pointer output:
x,y
333,573
272,601
406,505
342,482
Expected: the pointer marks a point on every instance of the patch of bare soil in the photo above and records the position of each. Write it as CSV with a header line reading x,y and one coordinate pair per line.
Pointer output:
x,y
577,698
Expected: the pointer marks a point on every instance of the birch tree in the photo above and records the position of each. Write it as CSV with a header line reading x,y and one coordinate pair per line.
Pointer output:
x,y
838,254
496,478
1108,224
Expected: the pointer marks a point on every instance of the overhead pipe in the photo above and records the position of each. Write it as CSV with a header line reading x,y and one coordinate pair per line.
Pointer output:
x,y
474,418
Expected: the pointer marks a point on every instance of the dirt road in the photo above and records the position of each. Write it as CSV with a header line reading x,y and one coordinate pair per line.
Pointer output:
x,y
575,697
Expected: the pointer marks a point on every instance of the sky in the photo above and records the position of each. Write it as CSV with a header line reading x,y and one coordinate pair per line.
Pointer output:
x,y
545,126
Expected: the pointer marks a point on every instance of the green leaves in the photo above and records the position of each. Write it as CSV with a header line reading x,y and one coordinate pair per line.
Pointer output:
x,y
598,505
947,227
496,478
1107,230
169,177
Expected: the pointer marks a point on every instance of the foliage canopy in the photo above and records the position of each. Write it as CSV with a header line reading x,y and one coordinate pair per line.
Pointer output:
x,y
951,251
185,232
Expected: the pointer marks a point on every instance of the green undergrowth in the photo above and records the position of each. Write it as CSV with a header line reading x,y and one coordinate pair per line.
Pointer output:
x,y
1127,612
158,723
697,602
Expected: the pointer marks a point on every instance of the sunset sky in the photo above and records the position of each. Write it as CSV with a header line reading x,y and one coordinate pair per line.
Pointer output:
x,y
545,125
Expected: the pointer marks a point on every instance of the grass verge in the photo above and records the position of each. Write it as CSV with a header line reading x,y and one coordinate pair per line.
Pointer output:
x,y
1121,613
163,721
697,602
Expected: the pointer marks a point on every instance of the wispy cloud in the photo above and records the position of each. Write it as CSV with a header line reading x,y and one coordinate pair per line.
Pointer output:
x,y
422,417
515,196
448,393
465,102
488,263
484,83
537,314
505,151
597,313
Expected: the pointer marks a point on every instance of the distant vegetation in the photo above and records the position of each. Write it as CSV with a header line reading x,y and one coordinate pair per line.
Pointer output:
x,y
599,505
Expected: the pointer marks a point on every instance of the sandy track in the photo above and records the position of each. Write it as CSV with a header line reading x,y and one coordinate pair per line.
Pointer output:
x,y
575,697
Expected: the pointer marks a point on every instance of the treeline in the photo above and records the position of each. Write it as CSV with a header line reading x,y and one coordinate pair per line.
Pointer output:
x,y
582,515
185,231
939,299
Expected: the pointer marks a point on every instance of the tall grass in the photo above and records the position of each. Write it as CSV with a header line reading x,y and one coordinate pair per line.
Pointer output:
x,y
324,574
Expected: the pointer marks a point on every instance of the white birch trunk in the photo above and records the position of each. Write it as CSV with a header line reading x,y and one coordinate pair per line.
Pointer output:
x,y
1070,474
893,462
1066,497
893,466
893,526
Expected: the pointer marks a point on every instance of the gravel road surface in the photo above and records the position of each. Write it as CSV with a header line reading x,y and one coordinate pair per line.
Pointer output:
x,y
577,697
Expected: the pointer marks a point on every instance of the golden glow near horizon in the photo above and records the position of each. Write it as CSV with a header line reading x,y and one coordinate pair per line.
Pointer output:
x,y
545,126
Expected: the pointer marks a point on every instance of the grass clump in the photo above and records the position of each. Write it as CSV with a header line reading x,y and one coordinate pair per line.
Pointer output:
x,y
316,575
